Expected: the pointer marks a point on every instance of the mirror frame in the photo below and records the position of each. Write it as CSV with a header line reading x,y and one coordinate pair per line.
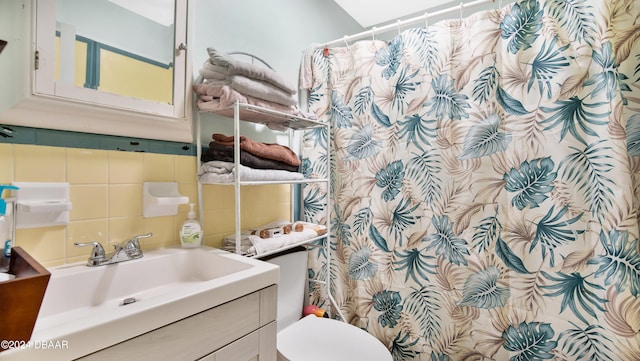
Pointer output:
x,y
91,111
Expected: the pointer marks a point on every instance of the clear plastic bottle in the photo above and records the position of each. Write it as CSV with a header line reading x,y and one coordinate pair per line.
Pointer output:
x,y
191,231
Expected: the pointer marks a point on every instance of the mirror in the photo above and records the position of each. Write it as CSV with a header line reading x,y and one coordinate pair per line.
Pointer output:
x,y
122,47
95,66
101,52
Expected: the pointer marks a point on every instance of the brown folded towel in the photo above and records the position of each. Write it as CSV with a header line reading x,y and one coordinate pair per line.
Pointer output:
x,y
265,150
225,153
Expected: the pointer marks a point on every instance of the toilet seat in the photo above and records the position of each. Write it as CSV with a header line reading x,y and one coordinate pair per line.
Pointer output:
x,y
320,339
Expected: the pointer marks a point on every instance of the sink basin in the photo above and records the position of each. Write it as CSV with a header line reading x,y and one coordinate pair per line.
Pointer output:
x,y
158,273
88,308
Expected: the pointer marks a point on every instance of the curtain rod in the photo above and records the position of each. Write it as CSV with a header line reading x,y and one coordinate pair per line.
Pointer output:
x,y
373,31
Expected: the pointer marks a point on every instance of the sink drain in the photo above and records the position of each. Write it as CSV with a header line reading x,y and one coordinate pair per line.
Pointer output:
x,y
128,301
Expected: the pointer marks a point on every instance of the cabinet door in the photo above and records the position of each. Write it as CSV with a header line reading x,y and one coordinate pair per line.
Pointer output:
x,y
192,337
256,346
64,66
82,58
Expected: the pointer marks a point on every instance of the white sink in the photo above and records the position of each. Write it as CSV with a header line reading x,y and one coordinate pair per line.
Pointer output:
x,y
89,308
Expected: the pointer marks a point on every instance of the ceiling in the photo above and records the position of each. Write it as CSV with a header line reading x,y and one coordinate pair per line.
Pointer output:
x,y
373,12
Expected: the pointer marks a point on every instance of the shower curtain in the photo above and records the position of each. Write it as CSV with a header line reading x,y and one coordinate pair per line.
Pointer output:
x,y
484,184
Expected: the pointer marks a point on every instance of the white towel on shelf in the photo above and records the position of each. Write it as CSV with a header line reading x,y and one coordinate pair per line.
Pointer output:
x,y
224,172
220,99
246,246
229,243
232,66
252,245
257,89
264,245
210,71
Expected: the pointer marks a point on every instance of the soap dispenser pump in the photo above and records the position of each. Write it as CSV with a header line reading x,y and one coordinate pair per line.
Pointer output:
x,y
191,231
6,229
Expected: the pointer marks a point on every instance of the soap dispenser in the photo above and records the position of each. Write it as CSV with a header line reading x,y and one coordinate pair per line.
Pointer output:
x,y
6,229
191,231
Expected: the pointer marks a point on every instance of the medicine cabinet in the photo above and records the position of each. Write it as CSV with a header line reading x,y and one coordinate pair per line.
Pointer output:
x,y
117,67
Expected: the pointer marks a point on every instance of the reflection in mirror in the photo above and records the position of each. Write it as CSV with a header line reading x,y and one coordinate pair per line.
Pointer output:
x,y
122,47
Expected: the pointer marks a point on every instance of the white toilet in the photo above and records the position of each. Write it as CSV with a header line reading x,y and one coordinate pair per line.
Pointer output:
x,y
314,338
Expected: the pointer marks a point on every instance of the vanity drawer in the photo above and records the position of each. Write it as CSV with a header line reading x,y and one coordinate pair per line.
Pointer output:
x,y
258,345
196,336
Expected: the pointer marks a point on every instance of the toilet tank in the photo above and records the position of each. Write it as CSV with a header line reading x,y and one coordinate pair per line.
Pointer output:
x,y
291,288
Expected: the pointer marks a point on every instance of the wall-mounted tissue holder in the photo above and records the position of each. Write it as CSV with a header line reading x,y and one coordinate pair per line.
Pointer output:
x,y
161,199
42,204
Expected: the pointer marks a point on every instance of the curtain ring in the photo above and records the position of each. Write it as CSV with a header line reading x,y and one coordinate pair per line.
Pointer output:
x,y
426,19
461,9
398,25
373,33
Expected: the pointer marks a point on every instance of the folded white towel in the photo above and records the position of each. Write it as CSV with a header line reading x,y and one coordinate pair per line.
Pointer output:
x,y
220,98
224,172
256,88
264,245
211,71
258,72
216,166
229,243
252,245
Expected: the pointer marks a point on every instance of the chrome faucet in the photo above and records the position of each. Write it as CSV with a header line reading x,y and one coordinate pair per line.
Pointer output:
x,y
124,251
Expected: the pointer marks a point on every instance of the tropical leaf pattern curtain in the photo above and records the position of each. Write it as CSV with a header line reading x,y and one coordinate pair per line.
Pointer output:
x,y
484,188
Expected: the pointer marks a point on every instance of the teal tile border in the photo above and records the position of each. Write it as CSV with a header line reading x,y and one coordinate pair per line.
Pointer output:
x,y
59,138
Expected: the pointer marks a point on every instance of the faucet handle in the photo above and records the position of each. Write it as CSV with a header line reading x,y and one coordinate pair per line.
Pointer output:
x,y
135,239
97,253
132,246
133,242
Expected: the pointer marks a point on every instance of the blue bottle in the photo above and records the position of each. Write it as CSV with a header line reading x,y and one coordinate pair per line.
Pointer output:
x,y
6,230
